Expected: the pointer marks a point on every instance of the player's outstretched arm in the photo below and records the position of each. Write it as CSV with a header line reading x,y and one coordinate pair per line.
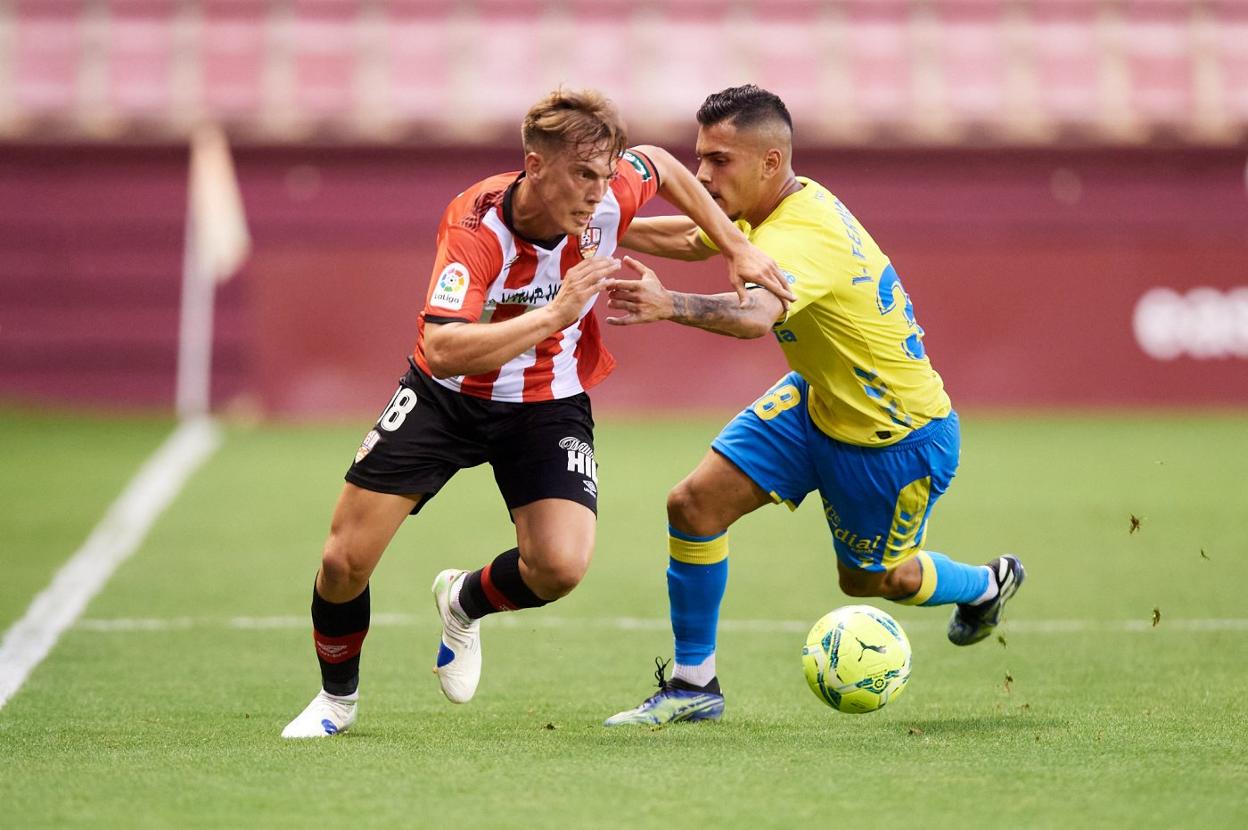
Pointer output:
x,y
645,300
473,348
746,263
671,237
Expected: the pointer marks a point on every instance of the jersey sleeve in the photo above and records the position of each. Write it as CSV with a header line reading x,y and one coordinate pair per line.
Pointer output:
x,y
636,182
465,266
808,282
741,224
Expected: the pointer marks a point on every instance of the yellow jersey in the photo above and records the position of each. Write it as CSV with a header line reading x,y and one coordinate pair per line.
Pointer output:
x,y
851,333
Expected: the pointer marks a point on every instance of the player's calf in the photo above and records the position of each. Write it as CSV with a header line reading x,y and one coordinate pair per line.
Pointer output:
x,y
942,581
901,581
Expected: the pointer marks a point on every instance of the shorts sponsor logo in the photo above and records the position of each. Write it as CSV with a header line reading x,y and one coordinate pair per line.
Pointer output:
x,y
366,446
862,546
591,238
451,287
581,458
591,488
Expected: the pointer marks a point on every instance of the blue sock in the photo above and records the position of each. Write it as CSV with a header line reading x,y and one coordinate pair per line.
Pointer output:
x,y
695,590
946,581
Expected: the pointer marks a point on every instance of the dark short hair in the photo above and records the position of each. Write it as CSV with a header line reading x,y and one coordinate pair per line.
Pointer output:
x,y
744,106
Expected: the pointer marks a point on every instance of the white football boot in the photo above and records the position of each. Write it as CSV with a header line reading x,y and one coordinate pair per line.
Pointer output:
x,y
326,715
458,664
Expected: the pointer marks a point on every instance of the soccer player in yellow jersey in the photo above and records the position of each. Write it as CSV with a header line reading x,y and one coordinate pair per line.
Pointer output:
x,y
863,417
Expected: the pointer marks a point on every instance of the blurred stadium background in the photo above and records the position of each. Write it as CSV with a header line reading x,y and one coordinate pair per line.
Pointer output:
x,y
1061,183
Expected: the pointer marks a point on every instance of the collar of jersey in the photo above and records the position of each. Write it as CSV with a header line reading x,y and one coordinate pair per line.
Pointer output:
x,y
808,185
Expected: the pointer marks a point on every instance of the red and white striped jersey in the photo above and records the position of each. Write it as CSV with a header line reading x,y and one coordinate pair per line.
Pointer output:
x,y
485,272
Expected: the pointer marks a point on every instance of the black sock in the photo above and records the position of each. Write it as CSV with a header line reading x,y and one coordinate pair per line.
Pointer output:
x,y
711,687
497,587
338,630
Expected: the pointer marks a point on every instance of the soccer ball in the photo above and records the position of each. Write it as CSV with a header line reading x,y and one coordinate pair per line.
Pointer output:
x,y
856,659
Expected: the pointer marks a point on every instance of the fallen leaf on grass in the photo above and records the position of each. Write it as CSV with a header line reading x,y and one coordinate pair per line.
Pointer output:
x,y
914,730
1156,616
1203,555
1135,523
1009,682
1001,640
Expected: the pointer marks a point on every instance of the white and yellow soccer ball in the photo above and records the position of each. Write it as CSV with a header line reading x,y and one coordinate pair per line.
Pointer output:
x,y
857,659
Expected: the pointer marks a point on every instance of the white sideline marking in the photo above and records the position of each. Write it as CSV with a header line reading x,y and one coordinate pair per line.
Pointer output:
x,y
118,534
653,624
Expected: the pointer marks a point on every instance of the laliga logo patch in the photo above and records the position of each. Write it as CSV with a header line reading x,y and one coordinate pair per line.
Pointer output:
x,y
591,238
452,287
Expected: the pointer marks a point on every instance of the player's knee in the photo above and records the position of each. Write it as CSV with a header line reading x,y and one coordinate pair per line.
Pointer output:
x,y
687,510
339,568
557,580
556,575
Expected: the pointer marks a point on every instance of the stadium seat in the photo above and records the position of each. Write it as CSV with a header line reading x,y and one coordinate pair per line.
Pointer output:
x,y
324,44
1159,62
1067,59
501,51
232,44
140,44
1231,29
881,63
789,53
418,66
974,62
600,47
692,49
46,55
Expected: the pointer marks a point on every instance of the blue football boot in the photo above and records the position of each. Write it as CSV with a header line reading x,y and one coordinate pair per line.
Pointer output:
x,y
674,702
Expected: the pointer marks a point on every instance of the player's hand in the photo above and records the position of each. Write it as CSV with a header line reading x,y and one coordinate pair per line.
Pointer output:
x,y
750,265
580,283
643,299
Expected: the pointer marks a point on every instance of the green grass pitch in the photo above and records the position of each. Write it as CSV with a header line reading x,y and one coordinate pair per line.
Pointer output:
x,y
162,706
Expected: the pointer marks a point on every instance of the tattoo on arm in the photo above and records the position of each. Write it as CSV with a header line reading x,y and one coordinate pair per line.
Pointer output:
x,y
720,313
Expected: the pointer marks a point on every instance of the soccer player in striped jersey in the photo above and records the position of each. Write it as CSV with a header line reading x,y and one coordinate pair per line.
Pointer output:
x,y
506,348
863,417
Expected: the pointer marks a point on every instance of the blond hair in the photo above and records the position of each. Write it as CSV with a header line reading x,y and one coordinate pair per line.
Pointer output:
x,y
583,121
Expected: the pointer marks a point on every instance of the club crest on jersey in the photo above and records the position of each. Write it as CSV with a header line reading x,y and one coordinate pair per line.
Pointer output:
x,y
451,287
366,446
591,238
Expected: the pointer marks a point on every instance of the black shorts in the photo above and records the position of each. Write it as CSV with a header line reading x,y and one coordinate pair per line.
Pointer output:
x,y
427,433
